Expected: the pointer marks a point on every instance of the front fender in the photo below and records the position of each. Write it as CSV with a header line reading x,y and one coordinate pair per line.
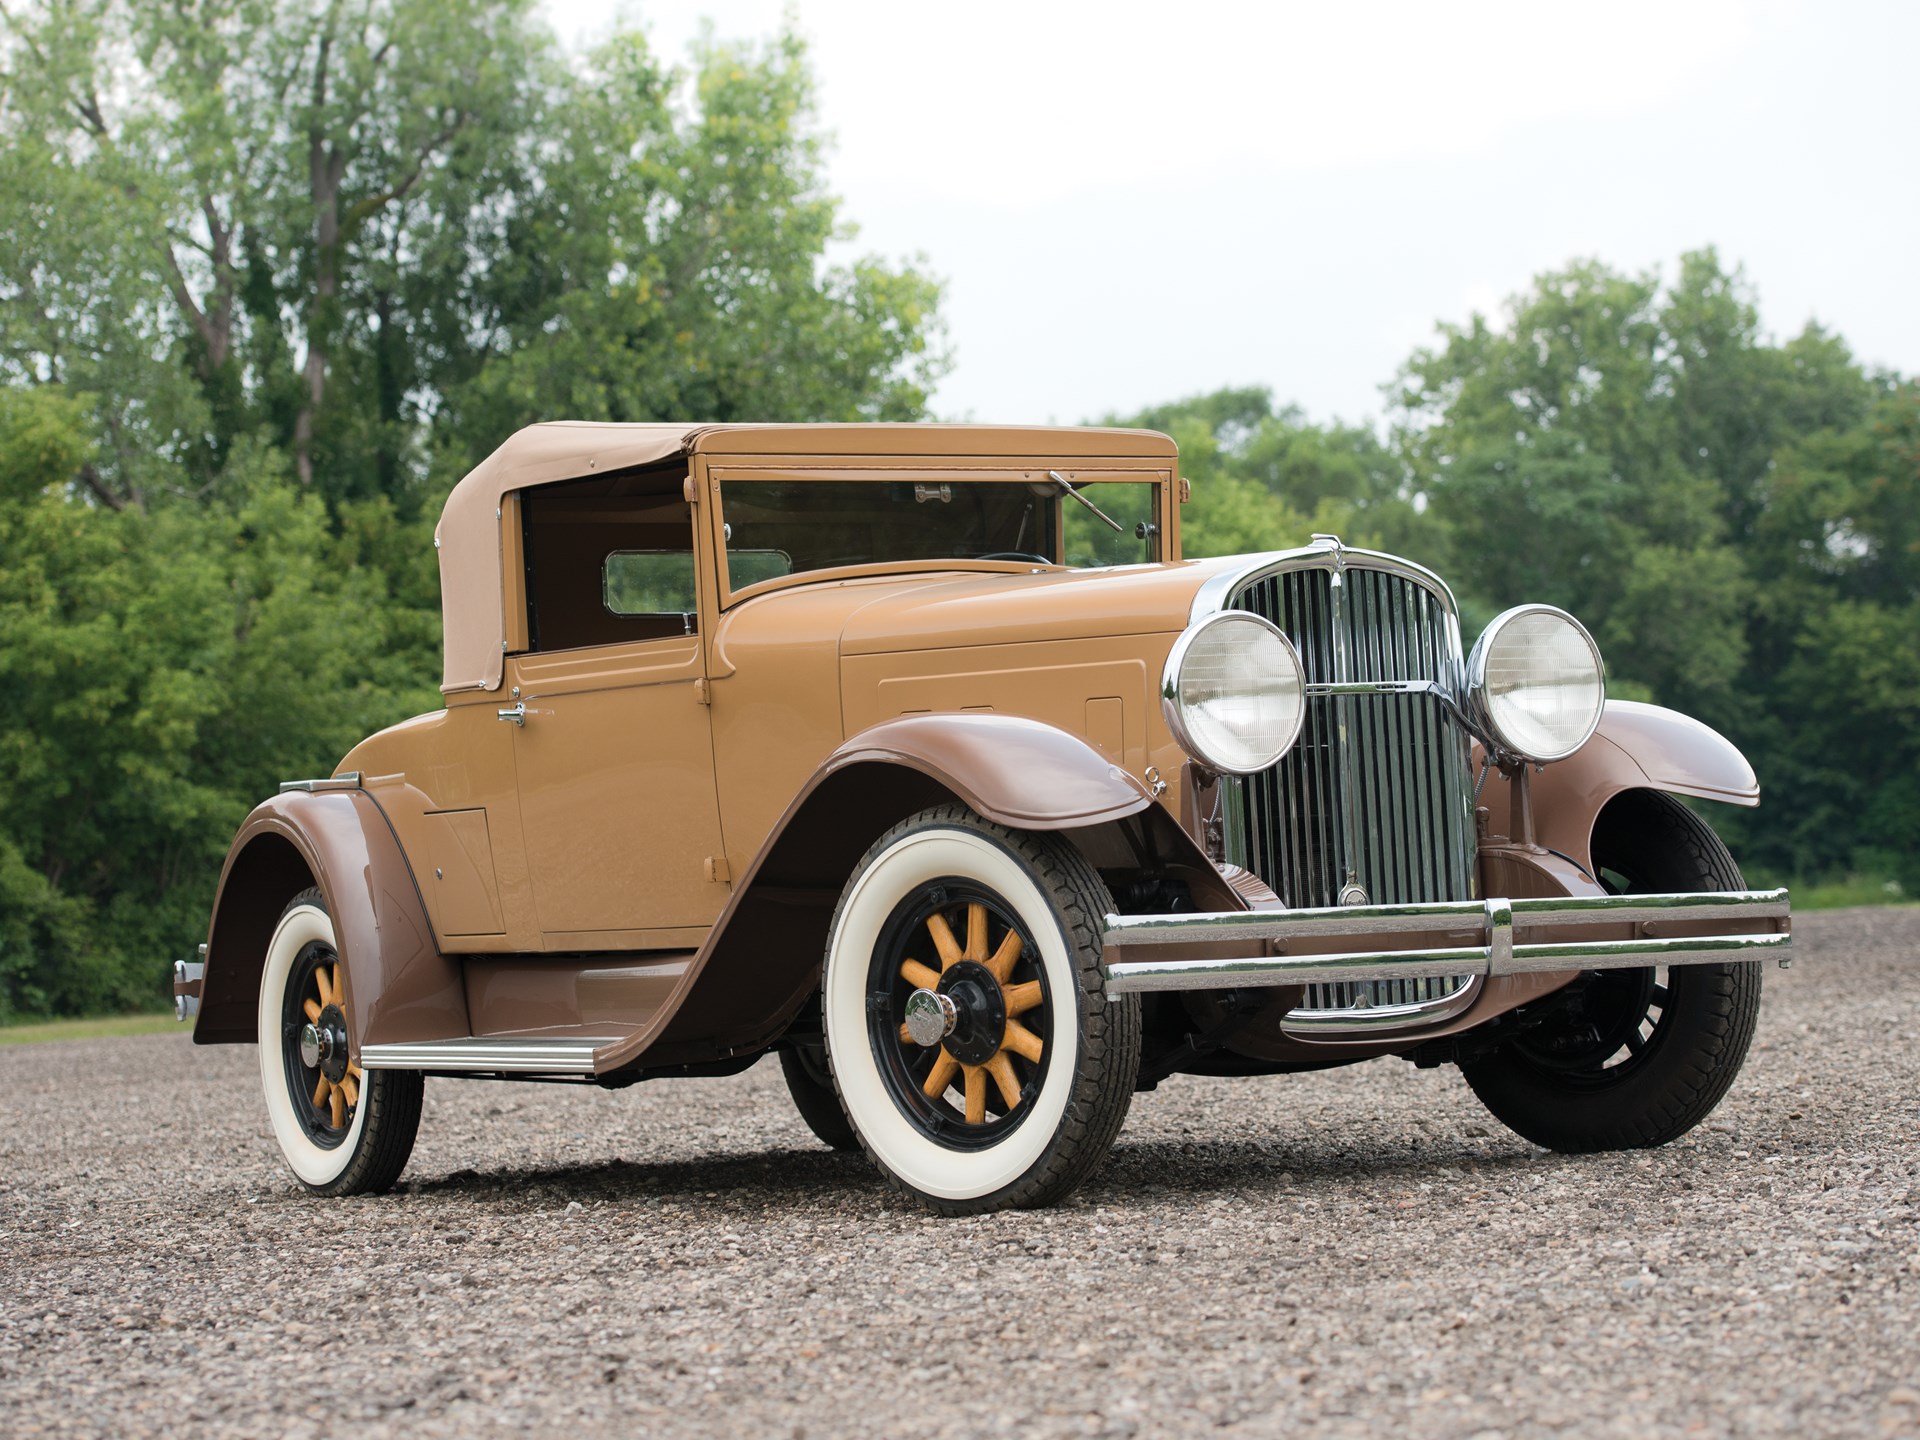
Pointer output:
x,y
1637,747
398,985
1020,773
762,959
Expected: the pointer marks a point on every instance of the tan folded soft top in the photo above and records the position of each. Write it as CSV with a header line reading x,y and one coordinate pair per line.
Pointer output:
x,y
469,538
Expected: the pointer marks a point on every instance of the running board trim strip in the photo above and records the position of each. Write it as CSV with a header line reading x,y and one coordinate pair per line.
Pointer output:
x,y
497,1055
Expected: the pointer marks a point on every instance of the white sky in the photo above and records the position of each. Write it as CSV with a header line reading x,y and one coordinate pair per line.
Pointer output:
x,y
1131,203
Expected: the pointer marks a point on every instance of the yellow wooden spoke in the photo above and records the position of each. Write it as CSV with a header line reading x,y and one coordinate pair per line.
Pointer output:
x,y
1022,1041
353,1070
1001,1068
940,1077
337,1104
977,932
339,990
914,973
1022,998
352,1090
320,984
312,1007
906,1035
976,1094
943,940
1006,957
320,1091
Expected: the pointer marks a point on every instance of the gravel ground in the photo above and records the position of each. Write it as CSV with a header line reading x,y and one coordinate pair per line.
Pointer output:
x,y
1348,1253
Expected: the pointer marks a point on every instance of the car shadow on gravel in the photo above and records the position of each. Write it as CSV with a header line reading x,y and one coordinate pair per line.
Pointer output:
x,y
1196,1167
761,1179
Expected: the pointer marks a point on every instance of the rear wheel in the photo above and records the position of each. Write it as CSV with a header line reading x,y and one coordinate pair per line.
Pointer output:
x,y
1636,1057
810,1084
974,1052
343,1131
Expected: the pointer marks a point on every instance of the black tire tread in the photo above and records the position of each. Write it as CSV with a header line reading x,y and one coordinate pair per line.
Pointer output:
x,y
1717,1008
819,1105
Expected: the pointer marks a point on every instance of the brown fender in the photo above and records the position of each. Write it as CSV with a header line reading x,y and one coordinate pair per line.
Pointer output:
x,y
339,840
1637,747
762,960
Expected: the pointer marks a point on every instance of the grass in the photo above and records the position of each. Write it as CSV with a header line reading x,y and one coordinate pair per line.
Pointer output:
x,y
1853,890
90,1029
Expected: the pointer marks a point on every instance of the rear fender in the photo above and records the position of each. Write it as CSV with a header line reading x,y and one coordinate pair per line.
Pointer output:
x,y
398,985
1637,747
762,960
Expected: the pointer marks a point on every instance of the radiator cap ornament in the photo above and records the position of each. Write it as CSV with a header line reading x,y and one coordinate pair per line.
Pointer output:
x,y
1353,893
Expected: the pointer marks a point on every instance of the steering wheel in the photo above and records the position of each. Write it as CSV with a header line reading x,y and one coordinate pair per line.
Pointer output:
x,y
1014,555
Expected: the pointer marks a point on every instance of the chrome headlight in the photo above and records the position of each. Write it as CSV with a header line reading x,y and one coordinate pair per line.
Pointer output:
x,y
1536,684
1234,692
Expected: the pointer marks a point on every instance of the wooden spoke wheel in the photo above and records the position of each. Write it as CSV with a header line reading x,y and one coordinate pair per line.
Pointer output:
x,y
342,1132
971,1044
967,1086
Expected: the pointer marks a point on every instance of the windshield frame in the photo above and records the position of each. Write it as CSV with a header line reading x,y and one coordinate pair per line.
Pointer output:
x,y
1156,474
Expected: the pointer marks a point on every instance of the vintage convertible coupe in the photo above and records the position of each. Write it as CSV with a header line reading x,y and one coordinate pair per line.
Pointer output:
x,y
919,756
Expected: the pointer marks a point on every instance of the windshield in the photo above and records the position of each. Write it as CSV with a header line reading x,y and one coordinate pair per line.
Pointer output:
x,y
787,527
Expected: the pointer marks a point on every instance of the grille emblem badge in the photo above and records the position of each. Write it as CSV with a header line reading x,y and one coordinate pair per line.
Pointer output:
x,y
1353,893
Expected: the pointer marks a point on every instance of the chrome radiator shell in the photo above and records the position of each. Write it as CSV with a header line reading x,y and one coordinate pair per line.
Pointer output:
x,y
1373,805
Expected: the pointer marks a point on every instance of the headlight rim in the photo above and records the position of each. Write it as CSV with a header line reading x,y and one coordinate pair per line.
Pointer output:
x,y
1480,707
1174,713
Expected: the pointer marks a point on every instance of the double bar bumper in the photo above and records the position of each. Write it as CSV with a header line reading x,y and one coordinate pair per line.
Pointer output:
x,y
1467,937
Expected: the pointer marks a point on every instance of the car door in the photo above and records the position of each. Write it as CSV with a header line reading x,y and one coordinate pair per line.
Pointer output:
x,y
613,748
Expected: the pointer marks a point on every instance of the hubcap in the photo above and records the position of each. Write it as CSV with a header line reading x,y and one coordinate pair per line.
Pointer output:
x,y
931,1017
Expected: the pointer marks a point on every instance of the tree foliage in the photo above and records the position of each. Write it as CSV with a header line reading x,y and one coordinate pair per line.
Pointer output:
x,y
272,276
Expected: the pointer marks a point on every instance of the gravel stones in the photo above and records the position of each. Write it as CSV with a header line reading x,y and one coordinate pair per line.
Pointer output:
x,y
1350,1252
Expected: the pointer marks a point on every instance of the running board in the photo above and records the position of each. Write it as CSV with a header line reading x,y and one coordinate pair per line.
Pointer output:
x,y
497,1055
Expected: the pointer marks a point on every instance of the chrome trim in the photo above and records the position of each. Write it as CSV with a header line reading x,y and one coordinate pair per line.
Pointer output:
x,y
346,780
1479,713
1175,714
186,1003
1214,593
1497,926
504,1055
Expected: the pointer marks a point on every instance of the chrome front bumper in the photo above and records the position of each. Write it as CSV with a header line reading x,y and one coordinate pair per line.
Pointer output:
x,y
1468,937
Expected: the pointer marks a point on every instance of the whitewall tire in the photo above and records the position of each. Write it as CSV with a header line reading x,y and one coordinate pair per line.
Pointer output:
x,y
343,1132
993,937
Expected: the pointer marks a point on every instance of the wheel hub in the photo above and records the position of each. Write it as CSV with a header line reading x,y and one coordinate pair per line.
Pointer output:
x,y
323,1043
980,1011
931,1017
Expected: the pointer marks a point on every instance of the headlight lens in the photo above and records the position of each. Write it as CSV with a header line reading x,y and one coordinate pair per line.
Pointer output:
x,y
1234,693
1536,683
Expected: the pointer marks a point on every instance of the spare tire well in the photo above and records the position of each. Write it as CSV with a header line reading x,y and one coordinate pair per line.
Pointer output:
x,y
255,889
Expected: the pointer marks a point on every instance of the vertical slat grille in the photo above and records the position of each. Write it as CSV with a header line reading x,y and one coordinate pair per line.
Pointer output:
x,y
1393,800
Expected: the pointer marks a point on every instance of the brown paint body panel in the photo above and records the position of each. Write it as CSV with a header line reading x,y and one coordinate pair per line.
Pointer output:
x,y
1637,747
763,957
399,986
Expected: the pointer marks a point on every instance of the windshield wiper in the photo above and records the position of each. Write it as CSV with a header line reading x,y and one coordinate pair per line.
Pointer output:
x,y
1061,481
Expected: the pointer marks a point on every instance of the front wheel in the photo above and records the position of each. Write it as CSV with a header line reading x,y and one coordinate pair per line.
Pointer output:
x,y
974,1052
1634,1058
343,1131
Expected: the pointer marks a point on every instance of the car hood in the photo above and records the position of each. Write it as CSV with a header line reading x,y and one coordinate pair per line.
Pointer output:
x,y
1003,609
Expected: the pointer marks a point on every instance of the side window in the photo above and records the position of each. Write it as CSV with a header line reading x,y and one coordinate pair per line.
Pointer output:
x,y
609,560
649,582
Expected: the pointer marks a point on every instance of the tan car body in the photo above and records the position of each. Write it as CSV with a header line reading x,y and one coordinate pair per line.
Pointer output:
x,y
650,851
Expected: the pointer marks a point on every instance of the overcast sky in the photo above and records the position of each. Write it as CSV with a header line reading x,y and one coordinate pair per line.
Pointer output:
x,y
1133,203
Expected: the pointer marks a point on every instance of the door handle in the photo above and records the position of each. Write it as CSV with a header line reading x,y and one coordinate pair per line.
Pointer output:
x,y
517,714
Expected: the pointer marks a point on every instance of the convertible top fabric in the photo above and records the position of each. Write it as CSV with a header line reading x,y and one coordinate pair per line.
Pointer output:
x,y
469,537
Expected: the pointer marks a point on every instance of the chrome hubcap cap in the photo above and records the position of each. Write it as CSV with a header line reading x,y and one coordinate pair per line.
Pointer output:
x,y
931,1017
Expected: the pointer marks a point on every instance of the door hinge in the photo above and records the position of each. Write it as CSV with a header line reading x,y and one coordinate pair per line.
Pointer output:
x,y
718,872
701,694
690,491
